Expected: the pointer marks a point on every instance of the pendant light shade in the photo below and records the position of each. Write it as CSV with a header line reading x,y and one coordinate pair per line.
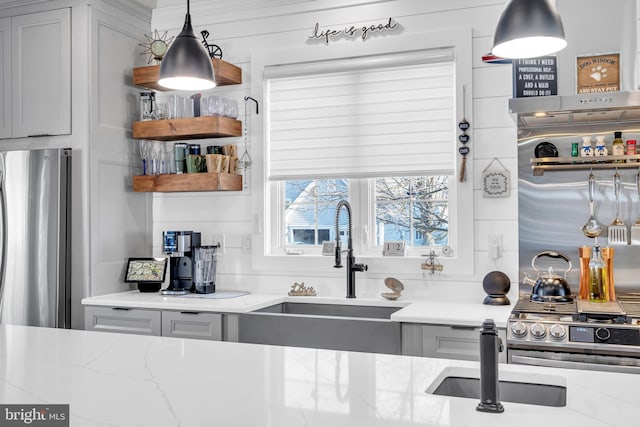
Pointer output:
x,y
187,65
528,29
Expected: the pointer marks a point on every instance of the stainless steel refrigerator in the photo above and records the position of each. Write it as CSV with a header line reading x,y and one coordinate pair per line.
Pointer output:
x,y
35,237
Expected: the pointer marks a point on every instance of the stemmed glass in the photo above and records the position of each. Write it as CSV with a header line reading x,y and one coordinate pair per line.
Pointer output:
x,y
144,154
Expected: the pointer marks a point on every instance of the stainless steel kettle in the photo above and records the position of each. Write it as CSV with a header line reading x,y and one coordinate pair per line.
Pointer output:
x,y
549,286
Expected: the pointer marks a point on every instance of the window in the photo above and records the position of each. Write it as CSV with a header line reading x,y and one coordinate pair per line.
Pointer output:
x,y
372,125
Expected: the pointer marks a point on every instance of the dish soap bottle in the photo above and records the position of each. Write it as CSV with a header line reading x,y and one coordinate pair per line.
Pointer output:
x,y
597,276
617,147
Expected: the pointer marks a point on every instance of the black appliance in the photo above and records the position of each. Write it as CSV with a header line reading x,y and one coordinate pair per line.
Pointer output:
x,y
180,245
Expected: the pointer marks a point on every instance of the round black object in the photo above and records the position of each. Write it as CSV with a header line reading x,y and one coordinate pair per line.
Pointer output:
x,y
149,287
496,283
546,149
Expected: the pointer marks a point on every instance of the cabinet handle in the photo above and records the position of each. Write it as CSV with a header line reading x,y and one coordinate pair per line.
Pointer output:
x,y
465,328
120,308
189,312
38,135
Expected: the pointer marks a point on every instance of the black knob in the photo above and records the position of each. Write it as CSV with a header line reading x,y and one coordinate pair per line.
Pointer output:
x,y
603,334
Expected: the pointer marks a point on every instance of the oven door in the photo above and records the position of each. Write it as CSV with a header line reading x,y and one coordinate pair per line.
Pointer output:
x,y
552,359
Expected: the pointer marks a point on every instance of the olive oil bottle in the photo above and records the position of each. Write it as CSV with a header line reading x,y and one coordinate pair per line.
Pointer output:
x,y
618,146
598,276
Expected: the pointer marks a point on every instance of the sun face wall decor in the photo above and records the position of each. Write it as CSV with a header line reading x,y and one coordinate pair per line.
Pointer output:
x,y
156,46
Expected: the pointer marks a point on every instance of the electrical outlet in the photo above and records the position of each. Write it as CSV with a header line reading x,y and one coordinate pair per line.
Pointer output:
x,y
246,243
495,246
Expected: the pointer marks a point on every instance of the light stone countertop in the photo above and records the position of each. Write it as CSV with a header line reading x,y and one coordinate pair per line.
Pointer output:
x,y
119,380
413,311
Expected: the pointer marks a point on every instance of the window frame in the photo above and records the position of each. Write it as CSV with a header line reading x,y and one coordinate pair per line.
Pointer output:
x,y
265,203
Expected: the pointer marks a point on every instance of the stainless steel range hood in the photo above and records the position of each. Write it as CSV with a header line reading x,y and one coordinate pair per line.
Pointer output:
x,y
556,112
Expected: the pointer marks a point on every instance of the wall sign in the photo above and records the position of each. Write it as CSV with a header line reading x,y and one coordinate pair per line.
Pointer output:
x,y
353,31
535,77
496,181
598,73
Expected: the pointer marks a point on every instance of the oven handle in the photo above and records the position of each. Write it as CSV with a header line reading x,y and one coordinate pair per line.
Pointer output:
x,y
537,361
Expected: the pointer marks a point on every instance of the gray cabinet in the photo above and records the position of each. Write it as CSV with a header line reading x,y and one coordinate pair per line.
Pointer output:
x,y
192,324
123,320
178,324
447,342
36,74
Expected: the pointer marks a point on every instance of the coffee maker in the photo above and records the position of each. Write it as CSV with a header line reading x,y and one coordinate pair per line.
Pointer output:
x,y
180,246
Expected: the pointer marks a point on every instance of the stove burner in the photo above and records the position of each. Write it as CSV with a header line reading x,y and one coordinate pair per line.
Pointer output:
x,y
565,299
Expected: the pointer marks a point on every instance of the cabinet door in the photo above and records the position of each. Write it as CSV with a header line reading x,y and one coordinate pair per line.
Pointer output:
x,y
448,342
123,320
5,78
41,73
189,324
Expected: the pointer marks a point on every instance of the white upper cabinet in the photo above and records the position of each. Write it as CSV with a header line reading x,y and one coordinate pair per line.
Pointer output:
x,y
5,78
40,74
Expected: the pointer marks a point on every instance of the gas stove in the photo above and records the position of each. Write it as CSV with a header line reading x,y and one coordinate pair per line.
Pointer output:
x,y
600,333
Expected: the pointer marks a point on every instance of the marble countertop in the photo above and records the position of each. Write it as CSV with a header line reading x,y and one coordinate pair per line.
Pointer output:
x,y
412,311
119,380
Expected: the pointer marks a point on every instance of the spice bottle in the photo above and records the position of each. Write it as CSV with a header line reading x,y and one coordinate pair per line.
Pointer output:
x,y
598,276
618,147
601,146
631,149
586,150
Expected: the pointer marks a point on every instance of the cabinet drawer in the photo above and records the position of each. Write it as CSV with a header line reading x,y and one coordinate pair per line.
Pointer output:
x,y
448,342
187,324
123,320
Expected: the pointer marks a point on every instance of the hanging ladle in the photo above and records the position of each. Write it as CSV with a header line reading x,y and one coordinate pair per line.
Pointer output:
x,y
592,228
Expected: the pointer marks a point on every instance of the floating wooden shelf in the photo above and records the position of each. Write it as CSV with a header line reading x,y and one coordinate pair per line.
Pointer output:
x,y
190,128
547,164
187,182
226,74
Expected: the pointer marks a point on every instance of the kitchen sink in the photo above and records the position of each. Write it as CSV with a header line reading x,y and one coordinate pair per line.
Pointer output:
x,y
516,391
326,326
333,310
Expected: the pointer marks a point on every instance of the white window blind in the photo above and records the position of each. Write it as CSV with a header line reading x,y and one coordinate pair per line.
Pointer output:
x,y
391,115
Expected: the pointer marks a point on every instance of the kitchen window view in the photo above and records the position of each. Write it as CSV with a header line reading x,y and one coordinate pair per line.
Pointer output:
x,y
410,209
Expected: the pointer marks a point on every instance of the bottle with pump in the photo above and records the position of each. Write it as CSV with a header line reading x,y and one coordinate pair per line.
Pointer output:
x,y
618,146
598,276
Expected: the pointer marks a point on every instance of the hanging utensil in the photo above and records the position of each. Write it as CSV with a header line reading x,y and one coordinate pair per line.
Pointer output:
x,y
592,228
635,228
245,159
617,229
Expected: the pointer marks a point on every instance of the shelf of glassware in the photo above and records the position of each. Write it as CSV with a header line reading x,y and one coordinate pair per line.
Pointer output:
x,y
168,183
549,164
225,73
188,128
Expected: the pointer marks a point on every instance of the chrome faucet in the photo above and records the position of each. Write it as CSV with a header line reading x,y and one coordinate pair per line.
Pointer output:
x,y
352,267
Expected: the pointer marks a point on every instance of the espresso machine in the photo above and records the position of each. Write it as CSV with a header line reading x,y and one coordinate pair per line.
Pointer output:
x,y
180,246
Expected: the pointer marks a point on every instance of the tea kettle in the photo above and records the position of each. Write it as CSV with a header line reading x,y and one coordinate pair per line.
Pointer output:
x,y
549,286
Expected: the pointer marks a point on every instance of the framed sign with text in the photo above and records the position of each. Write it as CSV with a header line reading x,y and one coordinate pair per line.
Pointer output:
x,y
535,76
598,73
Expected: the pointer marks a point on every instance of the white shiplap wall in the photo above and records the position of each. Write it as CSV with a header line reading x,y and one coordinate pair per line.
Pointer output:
x,y
239,29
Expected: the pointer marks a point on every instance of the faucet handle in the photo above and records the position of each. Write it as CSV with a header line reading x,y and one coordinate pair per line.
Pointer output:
x,y
338,255
360,267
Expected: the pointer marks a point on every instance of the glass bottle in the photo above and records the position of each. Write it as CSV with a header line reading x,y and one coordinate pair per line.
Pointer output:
x,y
618,147
597,276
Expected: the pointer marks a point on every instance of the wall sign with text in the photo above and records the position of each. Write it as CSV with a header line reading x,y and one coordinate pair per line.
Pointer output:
x,y
535,77
352,31
598,73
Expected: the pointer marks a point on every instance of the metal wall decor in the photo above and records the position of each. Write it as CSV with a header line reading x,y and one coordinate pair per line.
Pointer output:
x,y
353,31
156,45
464,137
214,50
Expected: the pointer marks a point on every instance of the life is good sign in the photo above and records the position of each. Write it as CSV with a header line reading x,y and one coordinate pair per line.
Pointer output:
x,y
353,31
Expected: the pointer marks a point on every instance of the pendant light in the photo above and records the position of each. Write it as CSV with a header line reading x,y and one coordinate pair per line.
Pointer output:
x,y
187,65
528,29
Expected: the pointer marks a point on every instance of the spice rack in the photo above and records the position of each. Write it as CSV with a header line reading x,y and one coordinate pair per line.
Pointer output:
x,y
185,129
550,164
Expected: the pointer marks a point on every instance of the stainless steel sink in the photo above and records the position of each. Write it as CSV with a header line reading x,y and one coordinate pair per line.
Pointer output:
x,y
531,393
327,326
333,310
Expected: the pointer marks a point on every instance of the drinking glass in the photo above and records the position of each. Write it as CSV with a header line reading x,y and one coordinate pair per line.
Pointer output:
x,y
233,109
144,155
225,109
